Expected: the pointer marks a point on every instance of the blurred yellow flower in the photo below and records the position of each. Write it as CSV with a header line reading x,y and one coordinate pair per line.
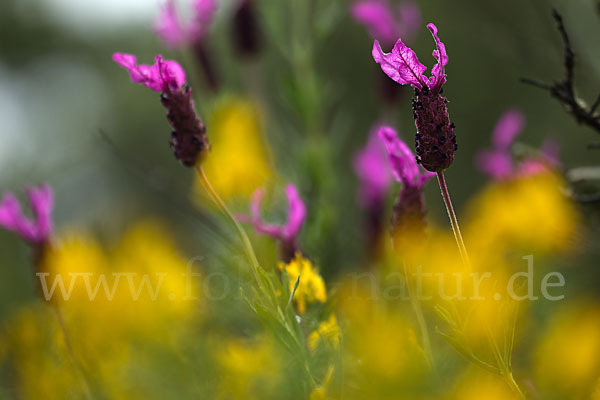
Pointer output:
x,y
238,162
567,359
528,212
328,332
311,287
478,384
251,369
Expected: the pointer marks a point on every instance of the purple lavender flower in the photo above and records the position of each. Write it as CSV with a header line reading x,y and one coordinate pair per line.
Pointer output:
x,y
373,170
36,231
384,24
435,139
498,162
286,234
174,33
409,209
188,137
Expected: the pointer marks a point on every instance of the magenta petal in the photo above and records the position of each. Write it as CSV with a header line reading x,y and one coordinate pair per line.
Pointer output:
x,y
42,202
13,219
510,124
404,164
260,226
168,26
172,74
377,17
401,65
372,167
497,164
439,77
296,213
205,11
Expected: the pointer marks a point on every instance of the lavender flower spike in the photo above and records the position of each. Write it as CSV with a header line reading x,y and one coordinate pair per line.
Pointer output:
x,y
435,139
188,137
408,219
286,233
174,33
35,231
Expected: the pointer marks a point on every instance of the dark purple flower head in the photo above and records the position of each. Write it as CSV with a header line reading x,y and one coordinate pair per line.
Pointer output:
x,y
36,231
286,233
175,33
403,66
435,139
373,170
386,24
498,162
162,76
188,137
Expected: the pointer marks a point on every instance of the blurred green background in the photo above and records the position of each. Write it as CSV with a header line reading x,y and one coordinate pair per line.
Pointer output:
x,y
70,116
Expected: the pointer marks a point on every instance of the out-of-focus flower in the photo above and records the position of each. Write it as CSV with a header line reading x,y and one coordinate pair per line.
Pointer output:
x,y
311,287
372,167
567,359
328,333
479,384
321,392
498,162
435,138
175,33
239,161
386,24
382,356
35,231
408,221
531,213
188,138
118,306
286,233
246,30
373,170
251,369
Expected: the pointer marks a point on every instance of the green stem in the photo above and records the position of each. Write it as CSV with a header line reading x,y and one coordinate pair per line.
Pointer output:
x,y
78,369
221,205
418,310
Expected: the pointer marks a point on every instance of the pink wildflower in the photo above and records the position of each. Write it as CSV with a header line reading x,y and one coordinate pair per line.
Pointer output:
x,y
36,231
386,24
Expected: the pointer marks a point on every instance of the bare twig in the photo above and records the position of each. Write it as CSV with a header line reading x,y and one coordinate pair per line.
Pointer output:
x,y
564,91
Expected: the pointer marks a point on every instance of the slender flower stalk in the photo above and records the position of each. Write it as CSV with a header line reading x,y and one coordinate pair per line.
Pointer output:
x,y
453,220
242,233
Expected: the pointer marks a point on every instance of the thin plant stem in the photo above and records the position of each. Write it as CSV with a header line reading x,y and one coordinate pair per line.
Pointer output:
x,y
221,205
418,310
453,220
505,369
78,369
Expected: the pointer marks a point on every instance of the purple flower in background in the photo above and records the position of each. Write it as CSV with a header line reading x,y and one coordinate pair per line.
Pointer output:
x,y
408,219
498,162
188,138
403,162
162,76
174,33
435,139
373,170
286,233
386,24
36,231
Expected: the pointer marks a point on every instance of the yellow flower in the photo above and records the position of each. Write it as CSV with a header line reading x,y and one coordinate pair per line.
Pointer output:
x,y
250,369
311,287
238,162
477,384
328,332
567,359
529,212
